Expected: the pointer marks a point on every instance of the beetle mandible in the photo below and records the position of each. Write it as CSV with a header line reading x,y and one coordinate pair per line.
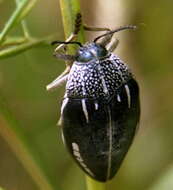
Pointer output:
x,y
100,110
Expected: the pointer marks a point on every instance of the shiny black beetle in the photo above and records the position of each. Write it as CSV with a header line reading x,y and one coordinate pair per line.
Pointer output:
x,y
100,110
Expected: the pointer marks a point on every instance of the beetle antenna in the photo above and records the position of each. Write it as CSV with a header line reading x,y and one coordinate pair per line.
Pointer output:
x,y
116,30
61,42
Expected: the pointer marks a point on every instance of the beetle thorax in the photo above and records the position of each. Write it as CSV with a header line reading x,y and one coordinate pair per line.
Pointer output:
x,y
97,79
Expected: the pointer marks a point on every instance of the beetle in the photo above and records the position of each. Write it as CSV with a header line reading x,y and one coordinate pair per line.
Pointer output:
x,y
101,109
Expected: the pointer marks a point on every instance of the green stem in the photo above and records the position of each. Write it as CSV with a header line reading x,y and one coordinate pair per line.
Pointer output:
x,y
22,46
20,12
94,185
12,41
69,10
25,29
23,23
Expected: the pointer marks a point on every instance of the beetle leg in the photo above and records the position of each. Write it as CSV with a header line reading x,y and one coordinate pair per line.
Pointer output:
x,y
69,61
112,45
59,80
69,58
63,76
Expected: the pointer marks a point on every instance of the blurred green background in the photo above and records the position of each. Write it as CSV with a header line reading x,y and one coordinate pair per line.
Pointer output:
x,y
28,113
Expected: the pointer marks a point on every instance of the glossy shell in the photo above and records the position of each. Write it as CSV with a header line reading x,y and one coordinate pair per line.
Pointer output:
x,y
99,115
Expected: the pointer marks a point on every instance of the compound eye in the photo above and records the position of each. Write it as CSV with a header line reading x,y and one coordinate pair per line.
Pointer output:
x,y
101,51
84,56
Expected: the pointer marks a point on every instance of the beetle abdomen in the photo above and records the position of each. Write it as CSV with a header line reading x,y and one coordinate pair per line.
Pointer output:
x,y
98,132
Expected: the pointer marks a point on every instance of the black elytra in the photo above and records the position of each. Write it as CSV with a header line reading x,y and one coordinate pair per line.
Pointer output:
x,y
100,111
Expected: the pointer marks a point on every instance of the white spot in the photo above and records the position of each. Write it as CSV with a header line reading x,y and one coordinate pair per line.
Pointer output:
x,y
76,153
89,171
64,103
83,82
96,106
115,63
84,108
128,95
75,147
105,89
118,98
65,95
62,136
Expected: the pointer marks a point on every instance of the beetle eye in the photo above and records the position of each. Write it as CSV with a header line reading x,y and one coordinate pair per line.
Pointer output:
x,y
101,51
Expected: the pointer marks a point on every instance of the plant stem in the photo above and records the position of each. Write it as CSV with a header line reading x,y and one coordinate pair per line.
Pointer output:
x,y
21,46
20,12
23,23
94,185
69,10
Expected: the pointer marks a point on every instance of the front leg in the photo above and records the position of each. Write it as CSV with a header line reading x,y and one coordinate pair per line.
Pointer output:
x,y
60,53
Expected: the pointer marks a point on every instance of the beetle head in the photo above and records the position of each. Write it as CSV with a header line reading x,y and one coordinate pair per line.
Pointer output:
x,y
90,51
